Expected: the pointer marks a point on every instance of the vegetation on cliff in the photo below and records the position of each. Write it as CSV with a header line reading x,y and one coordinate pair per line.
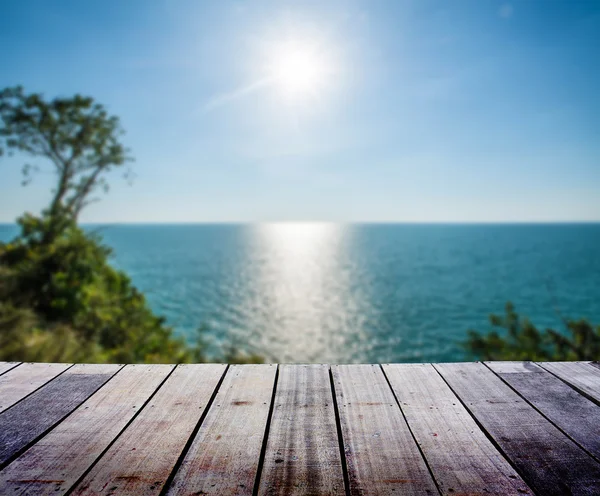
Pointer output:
x,y
60,299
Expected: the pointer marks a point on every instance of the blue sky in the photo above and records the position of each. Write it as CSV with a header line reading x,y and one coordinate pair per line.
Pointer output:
x,y
423,110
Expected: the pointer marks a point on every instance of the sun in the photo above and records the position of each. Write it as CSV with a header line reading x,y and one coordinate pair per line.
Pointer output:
x,y
298,69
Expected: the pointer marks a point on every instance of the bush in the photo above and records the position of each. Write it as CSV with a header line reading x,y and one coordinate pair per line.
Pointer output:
x,y
519,339
62,301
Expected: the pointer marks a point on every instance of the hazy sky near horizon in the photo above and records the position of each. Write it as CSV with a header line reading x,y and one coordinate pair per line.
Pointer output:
x,y
407,110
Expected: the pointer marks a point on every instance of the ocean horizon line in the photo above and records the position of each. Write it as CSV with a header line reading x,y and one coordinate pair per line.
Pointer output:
x,y
354,223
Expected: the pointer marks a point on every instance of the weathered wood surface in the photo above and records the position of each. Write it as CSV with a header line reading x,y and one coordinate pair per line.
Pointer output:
x,y
303,451
6,366
21,381
461,457
582,376
550,462
381,454
142,458
573,413
494,428
30,418
55,463
223,458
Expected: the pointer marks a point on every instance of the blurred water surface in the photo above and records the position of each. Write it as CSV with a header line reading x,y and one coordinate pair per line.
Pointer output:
x,y
299,292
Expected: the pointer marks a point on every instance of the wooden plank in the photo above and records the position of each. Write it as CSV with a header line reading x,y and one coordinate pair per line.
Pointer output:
x,y
582,376
59,459
6,366
223,458
381,454
31,417
302,454
25,379
570,411
461,457
163,427
550,462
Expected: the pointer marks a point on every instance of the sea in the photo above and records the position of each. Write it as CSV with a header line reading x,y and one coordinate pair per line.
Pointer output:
x,y
348,293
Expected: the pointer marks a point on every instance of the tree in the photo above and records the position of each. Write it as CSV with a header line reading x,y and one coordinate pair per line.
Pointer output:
x,y
60,300
78,138
59,297
519,339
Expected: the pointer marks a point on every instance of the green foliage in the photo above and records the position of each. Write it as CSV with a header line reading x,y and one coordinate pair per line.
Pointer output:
x,y
75,135
519,339
64,298
234,355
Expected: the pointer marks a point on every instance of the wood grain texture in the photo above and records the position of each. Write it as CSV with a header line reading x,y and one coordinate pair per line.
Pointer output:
x,y
550,462
80,432
41,410
23,380
582,376
381,454
461,457
6,366
302,454
223,458
59,459
570,411
142,458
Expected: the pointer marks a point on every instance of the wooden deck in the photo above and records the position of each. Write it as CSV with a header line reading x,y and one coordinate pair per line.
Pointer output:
x,y
453,429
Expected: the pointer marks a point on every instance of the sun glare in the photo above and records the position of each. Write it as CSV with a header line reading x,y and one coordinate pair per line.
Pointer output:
x,y
298,70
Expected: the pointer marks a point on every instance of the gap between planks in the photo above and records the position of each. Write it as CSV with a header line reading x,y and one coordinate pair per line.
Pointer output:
x,y
574,414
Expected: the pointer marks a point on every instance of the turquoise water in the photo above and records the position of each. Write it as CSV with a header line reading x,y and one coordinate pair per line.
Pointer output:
x,y
356,293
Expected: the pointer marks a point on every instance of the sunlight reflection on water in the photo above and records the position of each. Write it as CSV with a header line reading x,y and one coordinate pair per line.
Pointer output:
x,y
311,308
